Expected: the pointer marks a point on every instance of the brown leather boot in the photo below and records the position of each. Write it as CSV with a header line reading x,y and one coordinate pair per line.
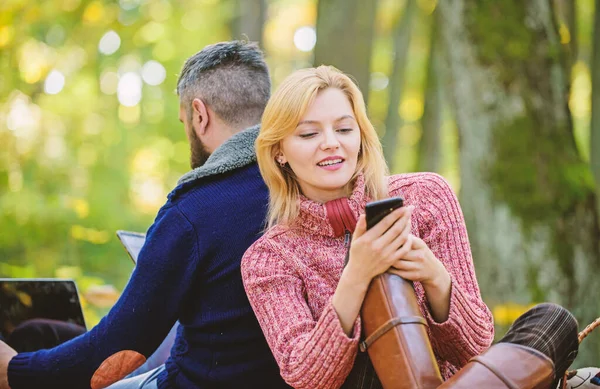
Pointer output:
x,y
505,366
396,335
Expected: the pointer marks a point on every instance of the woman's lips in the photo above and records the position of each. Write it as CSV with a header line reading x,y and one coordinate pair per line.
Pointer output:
x,y
331,164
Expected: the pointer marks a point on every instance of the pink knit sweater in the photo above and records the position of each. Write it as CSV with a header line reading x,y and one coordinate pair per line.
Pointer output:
x,y
291,273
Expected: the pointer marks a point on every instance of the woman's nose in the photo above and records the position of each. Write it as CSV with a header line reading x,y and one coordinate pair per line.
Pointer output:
x,y
330,141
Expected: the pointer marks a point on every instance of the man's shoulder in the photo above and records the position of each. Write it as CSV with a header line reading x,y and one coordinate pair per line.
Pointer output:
x,y
230,181
241,190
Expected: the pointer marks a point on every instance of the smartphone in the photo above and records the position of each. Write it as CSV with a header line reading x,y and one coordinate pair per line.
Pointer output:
x,y
377,210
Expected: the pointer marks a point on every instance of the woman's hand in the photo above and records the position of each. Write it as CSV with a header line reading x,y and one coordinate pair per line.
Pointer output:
x,y
372,252
420,264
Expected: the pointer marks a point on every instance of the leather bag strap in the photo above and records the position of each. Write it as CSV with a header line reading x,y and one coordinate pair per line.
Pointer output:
x,y
507,381
388,325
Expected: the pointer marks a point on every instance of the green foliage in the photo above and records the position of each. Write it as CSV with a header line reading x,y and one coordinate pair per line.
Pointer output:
x,y
499,30
505,34
533,171
542,183
77,165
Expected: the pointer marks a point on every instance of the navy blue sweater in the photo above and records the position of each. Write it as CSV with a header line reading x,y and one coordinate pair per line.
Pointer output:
x,y
188,270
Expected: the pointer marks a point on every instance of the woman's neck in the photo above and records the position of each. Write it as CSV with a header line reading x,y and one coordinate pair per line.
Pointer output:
x,y
324,196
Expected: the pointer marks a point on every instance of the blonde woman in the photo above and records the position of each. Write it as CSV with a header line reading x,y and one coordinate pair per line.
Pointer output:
x,y
322,162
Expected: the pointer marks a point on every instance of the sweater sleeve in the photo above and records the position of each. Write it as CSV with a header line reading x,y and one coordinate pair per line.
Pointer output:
x,y
312,352
134,327
469,329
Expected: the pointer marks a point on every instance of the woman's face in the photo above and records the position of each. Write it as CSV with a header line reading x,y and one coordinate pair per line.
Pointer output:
x,y
323,149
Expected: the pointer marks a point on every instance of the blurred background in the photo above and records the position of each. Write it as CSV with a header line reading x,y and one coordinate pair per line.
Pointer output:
x,y
500,97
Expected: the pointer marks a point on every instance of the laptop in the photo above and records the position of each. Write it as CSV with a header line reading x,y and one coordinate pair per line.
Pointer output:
x,y
133,243
36,300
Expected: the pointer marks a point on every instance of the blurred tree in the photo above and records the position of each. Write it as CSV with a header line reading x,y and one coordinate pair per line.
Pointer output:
x,y
572,25
88,126
528,196
345,37
430,149
402,33
595,122
566,13
249,20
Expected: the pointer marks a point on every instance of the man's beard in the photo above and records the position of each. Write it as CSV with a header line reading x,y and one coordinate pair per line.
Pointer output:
x,y
199,153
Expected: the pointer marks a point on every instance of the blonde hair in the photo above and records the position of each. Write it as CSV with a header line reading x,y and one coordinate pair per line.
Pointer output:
x,y
281,117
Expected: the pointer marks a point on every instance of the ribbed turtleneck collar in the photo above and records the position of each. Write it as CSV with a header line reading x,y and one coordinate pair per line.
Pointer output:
x,y
334,217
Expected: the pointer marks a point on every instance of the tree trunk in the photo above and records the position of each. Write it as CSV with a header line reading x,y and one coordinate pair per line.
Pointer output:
x,y
528,196
430,144
567,12
572,25
249,20
393,122
595,122
345,37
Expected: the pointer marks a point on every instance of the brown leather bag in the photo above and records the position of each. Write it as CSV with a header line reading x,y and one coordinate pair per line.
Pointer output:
x,y
505,366
396,336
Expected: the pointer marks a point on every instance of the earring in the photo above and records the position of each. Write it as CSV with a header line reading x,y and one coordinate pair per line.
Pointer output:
x,y
280,161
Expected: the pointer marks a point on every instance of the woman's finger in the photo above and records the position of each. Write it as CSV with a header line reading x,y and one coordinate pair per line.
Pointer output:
x,y
384,224
405,265
396,229
405,249
418,243
416,256
361,227
398,242
411,275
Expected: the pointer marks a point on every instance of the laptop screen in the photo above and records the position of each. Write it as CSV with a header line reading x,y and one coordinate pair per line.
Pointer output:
x,y
133,242
23,300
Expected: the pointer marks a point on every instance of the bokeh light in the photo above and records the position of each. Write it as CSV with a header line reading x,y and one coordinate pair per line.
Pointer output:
x,y
192,20
153,73
129,89
34,61
55,147
305,38
55,82
56,35
109,43
109,82
379,81
23,117
6,35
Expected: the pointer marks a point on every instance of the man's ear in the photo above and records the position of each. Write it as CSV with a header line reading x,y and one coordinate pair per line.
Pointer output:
x,y
199,117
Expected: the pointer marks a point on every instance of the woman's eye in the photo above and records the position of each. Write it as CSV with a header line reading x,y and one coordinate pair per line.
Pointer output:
x,y
308,135
344,130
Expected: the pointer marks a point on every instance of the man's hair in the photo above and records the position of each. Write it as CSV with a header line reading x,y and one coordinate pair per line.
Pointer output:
x,y
232,78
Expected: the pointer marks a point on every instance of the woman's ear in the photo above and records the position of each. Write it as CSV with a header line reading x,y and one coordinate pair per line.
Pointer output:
x,y
279,157
281,160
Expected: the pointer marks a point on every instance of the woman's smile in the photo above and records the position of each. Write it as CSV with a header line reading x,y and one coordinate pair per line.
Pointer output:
x,y
331,163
